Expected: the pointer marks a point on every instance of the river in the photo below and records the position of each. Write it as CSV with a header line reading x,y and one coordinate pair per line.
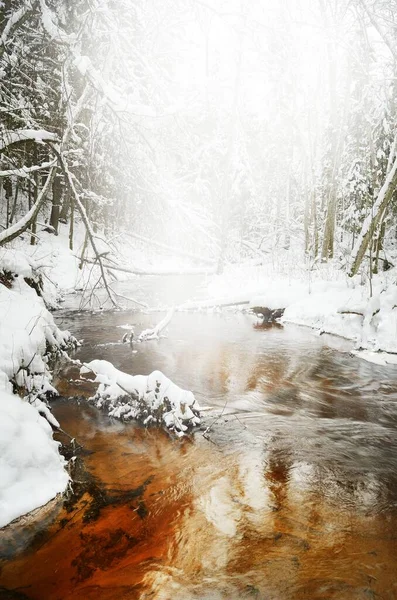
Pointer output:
x,y
291,495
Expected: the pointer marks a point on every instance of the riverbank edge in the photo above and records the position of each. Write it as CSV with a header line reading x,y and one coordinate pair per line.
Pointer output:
x,y
33,472
325,300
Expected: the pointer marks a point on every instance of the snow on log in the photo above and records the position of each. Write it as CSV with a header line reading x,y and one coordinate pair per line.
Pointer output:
x,y
154,272
154,334
213,303
8,137
152,399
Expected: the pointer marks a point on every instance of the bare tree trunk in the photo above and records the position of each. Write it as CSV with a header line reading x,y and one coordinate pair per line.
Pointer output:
x,y
71,225
14,205
338,121
7,186
56,202
378,242
83,251
35,196
63,215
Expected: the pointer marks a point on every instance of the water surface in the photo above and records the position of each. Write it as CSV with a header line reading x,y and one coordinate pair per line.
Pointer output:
x,y
291,495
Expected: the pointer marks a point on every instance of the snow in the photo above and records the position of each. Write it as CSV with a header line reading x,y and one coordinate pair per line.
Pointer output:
x,y
151,398
17,16
110,94
31,470
325,299
51,28
18,135
26,328
60,265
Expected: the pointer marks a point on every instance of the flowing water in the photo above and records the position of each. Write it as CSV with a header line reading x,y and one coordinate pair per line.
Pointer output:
x,y
291,495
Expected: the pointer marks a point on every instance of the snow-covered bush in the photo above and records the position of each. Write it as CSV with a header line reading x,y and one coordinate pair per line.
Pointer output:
x,y
152,399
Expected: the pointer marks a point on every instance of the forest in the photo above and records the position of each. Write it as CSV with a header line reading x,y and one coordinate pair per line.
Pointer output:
x,y
285,132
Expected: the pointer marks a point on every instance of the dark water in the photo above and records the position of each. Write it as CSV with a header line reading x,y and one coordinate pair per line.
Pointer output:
x,y
293,496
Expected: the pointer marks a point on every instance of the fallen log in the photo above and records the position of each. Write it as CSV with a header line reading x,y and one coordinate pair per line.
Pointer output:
x,y
154,272
154,333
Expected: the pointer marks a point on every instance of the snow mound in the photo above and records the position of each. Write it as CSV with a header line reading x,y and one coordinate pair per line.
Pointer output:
x,y
31,468
149,398
27,333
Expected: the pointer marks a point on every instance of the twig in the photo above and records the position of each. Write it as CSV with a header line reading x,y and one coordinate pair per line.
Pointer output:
x,y
214,421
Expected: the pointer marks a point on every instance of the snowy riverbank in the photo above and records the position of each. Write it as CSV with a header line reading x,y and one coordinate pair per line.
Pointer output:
x,y
325,299
322,297
31,469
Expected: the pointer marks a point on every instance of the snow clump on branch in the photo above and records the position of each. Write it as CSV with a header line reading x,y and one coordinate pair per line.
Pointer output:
x,y
153,399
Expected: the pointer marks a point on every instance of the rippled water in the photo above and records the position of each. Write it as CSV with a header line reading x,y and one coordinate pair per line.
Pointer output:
x,y
292,496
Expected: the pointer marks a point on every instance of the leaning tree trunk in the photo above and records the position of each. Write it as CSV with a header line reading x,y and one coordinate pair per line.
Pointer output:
x,y
372,221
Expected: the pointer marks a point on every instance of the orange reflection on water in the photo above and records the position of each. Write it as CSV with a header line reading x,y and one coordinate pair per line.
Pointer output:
x,y
162,519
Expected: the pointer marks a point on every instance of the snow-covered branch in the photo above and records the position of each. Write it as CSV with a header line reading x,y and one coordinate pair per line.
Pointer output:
x,y
154,333
153,398
113,98
87,224
25,171
14,21
8,137
373,218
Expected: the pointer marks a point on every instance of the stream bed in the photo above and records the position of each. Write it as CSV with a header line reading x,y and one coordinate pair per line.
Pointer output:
x,y
292,494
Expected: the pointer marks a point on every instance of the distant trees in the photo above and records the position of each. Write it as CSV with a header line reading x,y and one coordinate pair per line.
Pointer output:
x,y
232,129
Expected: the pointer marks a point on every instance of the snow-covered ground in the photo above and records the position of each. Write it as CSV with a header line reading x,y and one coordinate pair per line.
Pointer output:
x,y
31,469
325,299
32,472
62,265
